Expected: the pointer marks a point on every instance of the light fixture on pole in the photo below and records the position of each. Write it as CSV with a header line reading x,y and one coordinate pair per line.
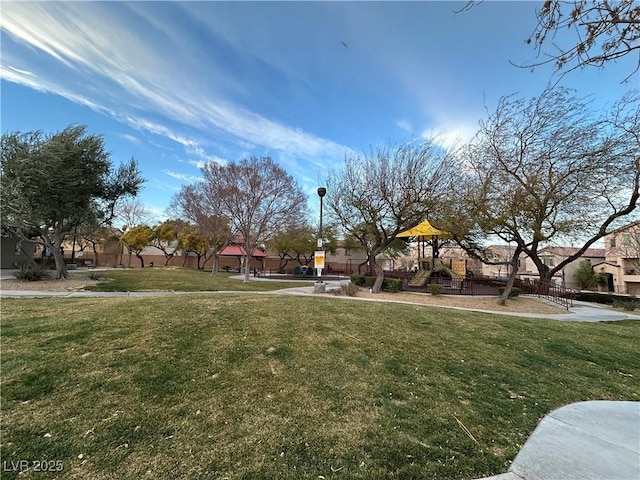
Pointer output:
x,y
319,254
321,193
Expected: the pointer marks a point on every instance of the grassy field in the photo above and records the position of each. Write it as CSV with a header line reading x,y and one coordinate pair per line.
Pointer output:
x,y
244,386
180,279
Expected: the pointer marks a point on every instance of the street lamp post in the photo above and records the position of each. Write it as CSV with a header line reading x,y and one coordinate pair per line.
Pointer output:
x,y
319,286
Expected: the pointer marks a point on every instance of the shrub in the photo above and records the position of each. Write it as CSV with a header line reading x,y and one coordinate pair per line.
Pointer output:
x,y
604,298
515,292
95,276
629,305
30,273
392,285
435,289
369,281
346,289
528,288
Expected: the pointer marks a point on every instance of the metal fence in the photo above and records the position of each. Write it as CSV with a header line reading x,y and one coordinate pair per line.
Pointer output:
x,y
550,291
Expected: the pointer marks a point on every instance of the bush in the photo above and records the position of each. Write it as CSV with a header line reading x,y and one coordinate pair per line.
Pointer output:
x,y
392,285
604,298
30,273
629,305
95,276
528,288
515,292
435,289
348,290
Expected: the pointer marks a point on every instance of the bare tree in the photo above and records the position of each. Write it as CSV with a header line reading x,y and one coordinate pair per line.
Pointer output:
x,y
603,31
549,169
130,212
383,192
257,196
200,205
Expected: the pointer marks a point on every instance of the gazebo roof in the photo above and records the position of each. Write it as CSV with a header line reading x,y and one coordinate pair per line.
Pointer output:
x,y
425,229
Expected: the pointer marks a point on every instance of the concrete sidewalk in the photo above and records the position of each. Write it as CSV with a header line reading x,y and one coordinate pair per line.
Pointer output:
x,y
596,440
580,312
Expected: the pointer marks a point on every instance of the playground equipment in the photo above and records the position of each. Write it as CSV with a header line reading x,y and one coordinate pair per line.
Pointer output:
x,y
430,267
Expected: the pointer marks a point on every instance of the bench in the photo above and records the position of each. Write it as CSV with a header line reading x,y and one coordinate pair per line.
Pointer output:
x,y
89,264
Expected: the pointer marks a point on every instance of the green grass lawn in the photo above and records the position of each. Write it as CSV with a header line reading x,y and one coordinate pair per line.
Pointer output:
x,y
278,387
180,279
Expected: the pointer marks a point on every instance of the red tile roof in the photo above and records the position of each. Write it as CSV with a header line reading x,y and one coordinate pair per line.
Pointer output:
x,y
238,251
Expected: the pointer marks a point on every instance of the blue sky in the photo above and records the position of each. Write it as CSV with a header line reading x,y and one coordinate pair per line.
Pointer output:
x,y
178,84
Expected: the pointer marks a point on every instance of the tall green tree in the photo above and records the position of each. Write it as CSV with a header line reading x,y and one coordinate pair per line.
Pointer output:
x,y
51,184
586,276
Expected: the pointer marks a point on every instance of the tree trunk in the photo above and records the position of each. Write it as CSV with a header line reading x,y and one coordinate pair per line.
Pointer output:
x,y
545,280
61,267
377,269
512,278
246,260
141,259
215,264
168,259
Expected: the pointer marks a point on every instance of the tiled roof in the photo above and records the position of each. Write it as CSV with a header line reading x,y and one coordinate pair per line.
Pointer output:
x,y
568,251
238,251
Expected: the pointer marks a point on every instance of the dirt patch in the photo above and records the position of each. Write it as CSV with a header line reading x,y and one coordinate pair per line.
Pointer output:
x,y
516,305
50,285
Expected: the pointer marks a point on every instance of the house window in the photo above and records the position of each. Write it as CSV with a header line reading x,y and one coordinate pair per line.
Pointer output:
x,y
612,242
626,239
347,252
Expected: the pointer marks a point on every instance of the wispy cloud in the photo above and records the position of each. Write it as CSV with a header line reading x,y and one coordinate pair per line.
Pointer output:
x,y
113,66
130,138
182,176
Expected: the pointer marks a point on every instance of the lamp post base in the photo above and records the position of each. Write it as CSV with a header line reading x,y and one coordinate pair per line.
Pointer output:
x,y
319,287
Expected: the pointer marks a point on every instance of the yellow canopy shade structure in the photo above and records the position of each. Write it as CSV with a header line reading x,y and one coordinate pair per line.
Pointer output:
x,y
426,233
425,229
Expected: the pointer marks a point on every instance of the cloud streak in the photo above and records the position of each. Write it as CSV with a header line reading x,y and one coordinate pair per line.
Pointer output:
x,y
110,63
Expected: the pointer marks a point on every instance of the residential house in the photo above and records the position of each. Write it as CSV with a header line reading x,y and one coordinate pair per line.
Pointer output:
x,y
553,256
15,252
621,263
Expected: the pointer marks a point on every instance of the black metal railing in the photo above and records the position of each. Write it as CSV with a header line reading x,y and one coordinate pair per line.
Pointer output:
x,y
549,291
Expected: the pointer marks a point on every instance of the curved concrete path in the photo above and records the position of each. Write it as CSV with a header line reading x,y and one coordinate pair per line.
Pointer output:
x,y
595,440
580,312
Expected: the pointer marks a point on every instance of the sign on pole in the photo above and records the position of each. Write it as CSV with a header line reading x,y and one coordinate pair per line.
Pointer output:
x,y
318,257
